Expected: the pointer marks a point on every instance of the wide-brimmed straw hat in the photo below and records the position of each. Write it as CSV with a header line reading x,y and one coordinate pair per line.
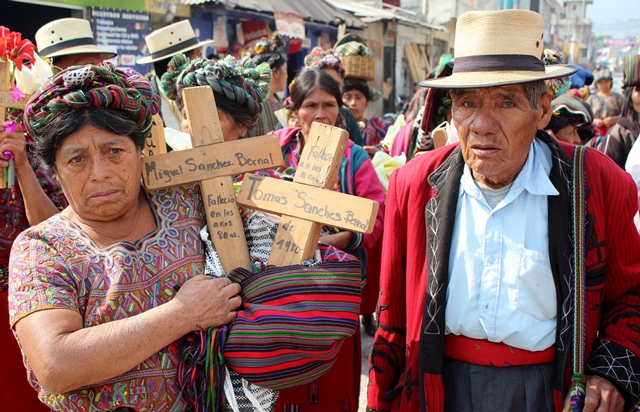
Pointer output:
x,y
67,36
495,48
173,39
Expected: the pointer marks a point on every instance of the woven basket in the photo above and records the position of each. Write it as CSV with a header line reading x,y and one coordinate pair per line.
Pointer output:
x,y
359,67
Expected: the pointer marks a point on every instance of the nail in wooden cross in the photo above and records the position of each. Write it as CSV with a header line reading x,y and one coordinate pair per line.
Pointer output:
x,y
212,162
309,202
6,101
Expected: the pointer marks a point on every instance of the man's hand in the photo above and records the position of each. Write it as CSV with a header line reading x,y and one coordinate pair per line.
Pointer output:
x,y
602,396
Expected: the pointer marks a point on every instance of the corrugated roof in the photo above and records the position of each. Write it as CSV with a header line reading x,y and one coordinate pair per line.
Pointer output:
x,y
310,10
370,14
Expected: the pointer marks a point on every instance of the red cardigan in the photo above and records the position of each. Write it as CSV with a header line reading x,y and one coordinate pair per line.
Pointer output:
x,y
407,357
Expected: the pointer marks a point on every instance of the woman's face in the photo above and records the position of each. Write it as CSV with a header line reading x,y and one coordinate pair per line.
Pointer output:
x,y
356,101
604,85
100,173
230,130
319,106
568,134
279,79
635,98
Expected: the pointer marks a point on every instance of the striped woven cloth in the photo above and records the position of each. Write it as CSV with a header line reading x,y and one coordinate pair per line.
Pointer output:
x,y
293,320
631,70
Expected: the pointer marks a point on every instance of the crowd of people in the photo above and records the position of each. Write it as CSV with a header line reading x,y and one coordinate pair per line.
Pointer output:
x,y
502,271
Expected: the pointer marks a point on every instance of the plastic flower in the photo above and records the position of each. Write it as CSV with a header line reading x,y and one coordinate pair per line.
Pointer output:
x,y
31,79
16,94
14,48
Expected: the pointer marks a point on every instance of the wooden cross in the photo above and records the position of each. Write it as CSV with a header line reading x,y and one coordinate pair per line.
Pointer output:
x,y
212,162
309,202
6,101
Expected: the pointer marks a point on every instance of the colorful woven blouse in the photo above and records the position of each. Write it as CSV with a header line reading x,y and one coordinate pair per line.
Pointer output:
x,y
14,217
375,131
55,265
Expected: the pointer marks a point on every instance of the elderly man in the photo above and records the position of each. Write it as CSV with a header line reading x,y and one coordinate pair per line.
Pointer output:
x,y
70,42
479,288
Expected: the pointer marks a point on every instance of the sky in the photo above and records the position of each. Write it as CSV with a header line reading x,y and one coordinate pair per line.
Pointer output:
x,y
616,18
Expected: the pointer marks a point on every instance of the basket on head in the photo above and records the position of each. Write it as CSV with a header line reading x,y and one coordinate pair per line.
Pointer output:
x,y
356,57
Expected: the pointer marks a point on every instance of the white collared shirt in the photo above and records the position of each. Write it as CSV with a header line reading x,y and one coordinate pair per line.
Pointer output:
x,y
500,283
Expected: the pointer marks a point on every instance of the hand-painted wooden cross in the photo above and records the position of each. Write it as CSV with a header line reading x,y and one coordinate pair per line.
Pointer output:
x,y
309,202
7,100
212,162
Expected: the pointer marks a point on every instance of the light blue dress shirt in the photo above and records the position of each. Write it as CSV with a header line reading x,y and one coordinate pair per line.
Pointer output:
x,y
500,283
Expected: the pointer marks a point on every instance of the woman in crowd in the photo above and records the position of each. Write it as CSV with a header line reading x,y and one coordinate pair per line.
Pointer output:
x,y
316,97
570,115
356,95
624,134
271,52
327,61
606,104
239,89
99,293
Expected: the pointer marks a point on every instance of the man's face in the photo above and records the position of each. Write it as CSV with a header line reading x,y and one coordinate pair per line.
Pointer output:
x,y
77,60
496,126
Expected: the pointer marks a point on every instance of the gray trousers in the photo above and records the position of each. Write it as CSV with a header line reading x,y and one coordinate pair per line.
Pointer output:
x,y
474,388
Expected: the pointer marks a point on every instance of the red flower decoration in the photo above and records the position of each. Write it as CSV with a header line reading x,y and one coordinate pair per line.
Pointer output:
x,y
14,48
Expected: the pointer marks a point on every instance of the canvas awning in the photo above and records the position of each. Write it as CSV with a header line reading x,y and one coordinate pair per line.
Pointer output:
x,y
318,11
370,14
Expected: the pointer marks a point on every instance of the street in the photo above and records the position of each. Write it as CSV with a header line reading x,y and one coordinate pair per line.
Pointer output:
x,y
367,343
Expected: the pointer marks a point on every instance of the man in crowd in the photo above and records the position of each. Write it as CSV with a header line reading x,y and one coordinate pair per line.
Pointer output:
x,y
70,42
163,44
483,270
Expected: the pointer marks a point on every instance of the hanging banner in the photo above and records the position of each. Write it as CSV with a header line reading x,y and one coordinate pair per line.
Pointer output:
x,y
220,33
289,25
122,31
253,31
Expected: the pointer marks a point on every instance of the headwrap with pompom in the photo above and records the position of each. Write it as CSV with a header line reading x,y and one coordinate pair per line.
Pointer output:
x,y
103,86
324,59
559,85
268,51
238,80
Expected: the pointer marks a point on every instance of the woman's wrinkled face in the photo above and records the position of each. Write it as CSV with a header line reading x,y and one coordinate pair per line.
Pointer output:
x,y
356,102
99,172
230,130
319,106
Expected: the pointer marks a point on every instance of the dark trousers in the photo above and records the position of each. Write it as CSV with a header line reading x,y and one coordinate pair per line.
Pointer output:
x,y
474,388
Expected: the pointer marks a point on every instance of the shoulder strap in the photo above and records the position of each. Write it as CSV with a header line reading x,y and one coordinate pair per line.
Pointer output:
x,y
579,205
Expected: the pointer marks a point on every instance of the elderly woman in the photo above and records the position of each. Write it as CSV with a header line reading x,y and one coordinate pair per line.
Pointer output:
x,y
316,97
239,89
99,293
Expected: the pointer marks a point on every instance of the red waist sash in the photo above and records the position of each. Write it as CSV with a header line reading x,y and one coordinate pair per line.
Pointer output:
x,y
485,353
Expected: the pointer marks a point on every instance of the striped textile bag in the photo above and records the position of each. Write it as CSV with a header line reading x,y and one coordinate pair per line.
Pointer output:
x,y
293,320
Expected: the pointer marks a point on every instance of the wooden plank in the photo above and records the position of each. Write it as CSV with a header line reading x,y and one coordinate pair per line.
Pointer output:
x,y
213,160
306,202
439,137
223,217
155,144
309,201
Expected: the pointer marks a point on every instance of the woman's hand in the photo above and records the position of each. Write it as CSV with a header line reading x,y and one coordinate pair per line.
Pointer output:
x,y
208,301
598,122
338,240
611,120
16,143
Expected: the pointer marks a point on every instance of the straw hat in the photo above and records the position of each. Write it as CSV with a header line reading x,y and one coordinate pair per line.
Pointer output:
x,y
494,48
67,36
171,40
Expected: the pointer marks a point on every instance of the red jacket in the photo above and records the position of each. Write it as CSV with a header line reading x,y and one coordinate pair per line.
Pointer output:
x,y
407,357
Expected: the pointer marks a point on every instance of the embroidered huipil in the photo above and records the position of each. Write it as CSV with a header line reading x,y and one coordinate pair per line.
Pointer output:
x,y
55,265
500,279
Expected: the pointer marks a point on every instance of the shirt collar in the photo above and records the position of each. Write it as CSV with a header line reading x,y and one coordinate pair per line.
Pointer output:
x,y
534,176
